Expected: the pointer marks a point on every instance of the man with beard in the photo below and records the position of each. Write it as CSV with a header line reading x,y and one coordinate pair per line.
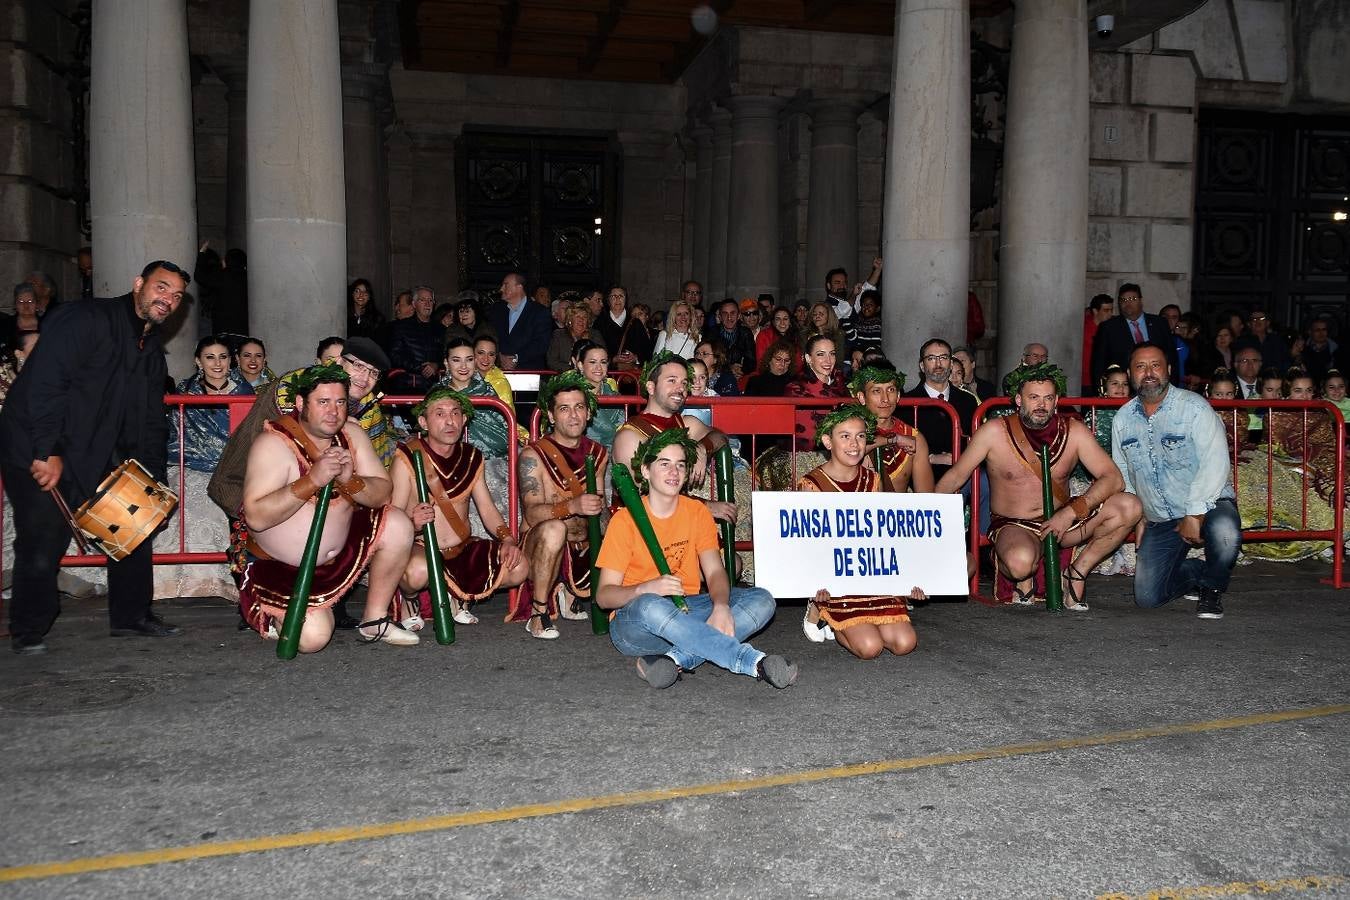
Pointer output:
x,y
296,455
89,399
935,362
474,567
1170,447
555,505
904,451
1096,522
665,381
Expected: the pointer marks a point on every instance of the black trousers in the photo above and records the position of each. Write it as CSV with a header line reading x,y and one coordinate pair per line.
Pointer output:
x,y
40,540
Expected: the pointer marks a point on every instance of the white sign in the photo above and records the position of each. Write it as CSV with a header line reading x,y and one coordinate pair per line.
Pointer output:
x,y
859,544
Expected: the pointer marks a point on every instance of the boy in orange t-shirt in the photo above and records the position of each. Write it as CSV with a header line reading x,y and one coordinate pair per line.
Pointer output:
x,y
646,623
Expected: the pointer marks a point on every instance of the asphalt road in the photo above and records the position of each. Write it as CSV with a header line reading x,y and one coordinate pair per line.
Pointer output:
x,y
1022,754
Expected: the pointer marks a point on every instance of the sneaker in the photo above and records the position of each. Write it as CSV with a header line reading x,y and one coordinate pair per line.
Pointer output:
x,y
383,631
658,671
27,644
816,631
1209,605
777,671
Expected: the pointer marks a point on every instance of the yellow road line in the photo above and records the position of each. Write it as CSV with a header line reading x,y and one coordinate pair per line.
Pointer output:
x,y
1237,888
636,798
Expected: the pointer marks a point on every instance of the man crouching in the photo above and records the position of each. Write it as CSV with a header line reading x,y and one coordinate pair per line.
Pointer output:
x,y
474,567
288,465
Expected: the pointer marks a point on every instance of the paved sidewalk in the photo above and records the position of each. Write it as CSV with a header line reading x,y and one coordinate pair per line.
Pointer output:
x,y
1013,764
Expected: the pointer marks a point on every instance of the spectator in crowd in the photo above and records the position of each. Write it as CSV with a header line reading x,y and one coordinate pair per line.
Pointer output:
x,y
558,309
1223,385
44,288
1116,385
867,326
844,302
1171,314
713,353
801,317
363,318
981,388
485,361
1274,349
1169,446
681,334
25,319
935,363
1320,353
330,349
577,328
543,295
1116,337
251,358
1099,309
487,428
766,306
781,328
754,323
523,329
1333,390
625,336
1190,335
699,387
775,373
736,339
818,380
415,346
825,323
591,359
1248,372
1033,354
1237,323
595,303
229,313
1219,353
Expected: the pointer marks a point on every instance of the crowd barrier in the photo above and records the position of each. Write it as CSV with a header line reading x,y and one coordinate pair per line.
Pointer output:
x,y
1087,408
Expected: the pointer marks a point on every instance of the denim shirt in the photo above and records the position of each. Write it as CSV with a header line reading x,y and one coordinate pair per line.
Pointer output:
x,y
1176,461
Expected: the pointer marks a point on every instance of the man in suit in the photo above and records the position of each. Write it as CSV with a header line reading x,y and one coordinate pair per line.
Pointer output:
x,y
1117,337
935,362
523,328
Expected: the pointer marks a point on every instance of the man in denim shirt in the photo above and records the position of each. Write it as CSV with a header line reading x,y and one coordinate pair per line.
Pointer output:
x,y
1170,447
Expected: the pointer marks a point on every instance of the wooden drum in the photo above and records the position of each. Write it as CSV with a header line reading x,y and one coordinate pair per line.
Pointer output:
x,y
125,510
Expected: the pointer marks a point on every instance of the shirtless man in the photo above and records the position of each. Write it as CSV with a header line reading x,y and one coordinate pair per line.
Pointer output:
x,y
555,506
474,567
289,463
1096,522
905,453
665,381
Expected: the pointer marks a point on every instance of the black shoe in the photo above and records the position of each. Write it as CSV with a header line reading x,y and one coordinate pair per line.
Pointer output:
x,y
345,620
777,671
27,644
1210,605
658,671
151,626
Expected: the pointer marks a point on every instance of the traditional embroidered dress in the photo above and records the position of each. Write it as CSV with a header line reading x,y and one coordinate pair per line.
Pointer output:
x,y
566,468
608,419
845,612
265,584
896,461
473,567
370,416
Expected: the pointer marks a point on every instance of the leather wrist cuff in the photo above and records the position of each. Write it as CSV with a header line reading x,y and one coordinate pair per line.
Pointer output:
x,y
560,509
303,488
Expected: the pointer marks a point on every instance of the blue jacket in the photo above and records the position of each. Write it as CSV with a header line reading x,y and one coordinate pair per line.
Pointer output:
x,y
1177,461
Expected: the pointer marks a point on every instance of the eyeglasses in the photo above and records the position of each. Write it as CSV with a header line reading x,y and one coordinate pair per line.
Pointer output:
x,y
1258,318
369,370
937,357
693,291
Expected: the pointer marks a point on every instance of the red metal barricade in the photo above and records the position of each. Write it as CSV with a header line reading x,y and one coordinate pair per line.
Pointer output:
x,y
1087,407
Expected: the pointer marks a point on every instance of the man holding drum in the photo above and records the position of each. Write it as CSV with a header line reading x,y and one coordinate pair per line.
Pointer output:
x,y
90,397
289,464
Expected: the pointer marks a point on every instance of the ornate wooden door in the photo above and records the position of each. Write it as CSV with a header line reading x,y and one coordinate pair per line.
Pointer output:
x,y
544,205
1268,233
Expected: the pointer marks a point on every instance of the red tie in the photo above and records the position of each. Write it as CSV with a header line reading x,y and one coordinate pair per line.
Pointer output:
x,y
1138,335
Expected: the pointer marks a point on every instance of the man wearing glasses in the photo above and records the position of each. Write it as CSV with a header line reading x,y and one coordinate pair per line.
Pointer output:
x,y
935,363
1274,351
1117,337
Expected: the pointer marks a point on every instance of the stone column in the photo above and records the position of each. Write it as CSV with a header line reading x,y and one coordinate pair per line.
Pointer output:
x,y
926,238
703,199
752,239
142,184
367,198
297,216
1043,238
832,204
235,77
715,287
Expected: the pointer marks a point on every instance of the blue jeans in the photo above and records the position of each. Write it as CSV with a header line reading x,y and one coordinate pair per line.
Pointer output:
x,y
651,625
1162,572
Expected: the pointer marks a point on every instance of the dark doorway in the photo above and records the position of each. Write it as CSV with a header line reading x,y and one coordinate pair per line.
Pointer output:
x,y
544,205
1269,188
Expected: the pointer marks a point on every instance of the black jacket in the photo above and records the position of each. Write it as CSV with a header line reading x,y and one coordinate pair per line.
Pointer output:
x,y
1114,343
92,393
412,344
936,426
528,341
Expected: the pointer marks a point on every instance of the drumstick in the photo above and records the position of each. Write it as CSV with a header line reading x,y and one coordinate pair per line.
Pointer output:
x,y
289,642
441,619
632,500
66,514
726,492
1054,590
599,620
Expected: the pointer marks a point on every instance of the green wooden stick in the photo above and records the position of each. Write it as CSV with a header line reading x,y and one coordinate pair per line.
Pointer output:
x,y
288,644
632,500
1054,589
599,619
726,492
441,620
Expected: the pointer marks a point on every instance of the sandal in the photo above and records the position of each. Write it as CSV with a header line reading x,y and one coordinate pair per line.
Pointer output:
x,y
385,632
412,611
816,631
546,630
1073,599
567,605
459,611
1027,597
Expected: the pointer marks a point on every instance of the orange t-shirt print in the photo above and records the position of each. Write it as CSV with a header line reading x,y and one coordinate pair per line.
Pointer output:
x,y
682,536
